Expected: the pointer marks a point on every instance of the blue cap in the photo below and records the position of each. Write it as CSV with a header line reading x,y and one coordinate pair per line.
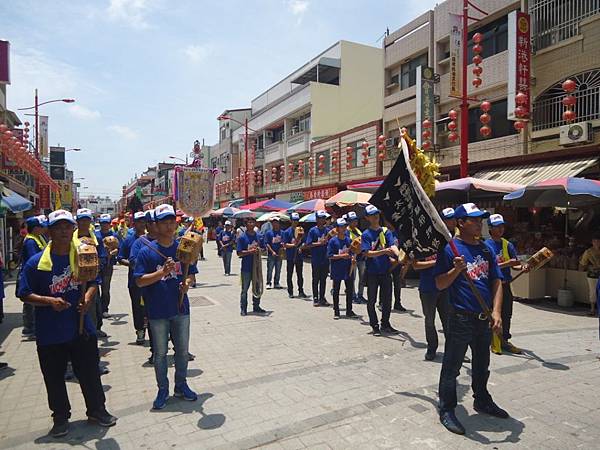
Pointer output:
x,y
495,220
371,210
84,213
149,215
105,218
295,216
469,210
58,215
341,222
448,213
33,222
163,211
321,214
351,216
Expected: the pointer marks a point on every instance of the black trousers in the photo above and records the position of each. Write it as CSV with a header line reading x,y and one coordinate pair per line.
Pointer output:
x,y
137,310
432,302
106,274
349,285
507,310
383,284
290,266
397,283
319,281
83,354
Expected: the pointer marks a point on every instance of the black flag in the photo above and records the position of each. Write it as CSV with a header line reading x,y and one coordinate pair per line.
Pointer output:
x,y
405,205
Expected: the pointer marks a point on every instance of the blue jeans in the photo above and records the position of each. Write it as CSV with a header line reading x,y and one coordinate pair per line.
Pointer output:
x,y
462,331
227,261
179,329
246,283
273,262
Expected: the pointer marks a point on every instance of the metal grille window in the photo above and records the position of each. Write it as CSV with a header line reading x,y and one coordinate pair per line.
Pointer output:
x,y
409,71
548,107
557,20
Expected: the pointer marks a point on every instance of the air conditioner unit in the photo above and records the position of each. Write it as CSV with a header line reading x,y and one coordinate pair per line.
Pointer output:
x,y
269,134
576,133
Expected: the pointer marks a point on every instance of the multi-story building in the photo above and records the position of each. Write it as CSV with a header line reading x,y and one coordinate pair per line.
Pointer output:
x,y
565,45
99,205
153,187
338,90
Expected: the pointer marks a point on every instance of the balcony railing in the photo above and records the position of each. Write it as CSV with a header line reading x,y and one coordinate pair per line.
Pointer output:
x,y
547,113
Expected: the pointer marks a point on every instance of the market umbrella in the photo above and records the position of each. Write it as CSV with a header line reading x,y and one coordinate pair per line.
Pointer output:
x,y
270,215
567,192
271,204
369,186
228,211
244,214
312,217
469,189
308,206
348,198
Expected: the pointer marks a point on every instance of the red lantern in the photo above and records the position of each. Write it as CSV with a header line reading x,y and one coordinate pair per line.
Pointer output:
x,y
321,157
452,114
569,115
426,134
477,59
427,124
381,156
485,131
452,125
453,137
426,145
477,38
519,125
365,144
521,98
477,71
569,100
476,82
3,128
290,171
477,49
520,111
485,106
569,86
348,166
485,118
381,139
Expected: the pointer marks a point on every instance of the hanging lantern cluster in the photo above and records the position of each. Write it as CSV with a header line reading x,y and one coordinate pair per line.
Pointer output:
x,y
301,169
335,161
290,172
311,167
273,175
521,110
258,178
380,147
426,134
477,59
569,101
485,119
349,157
281,174
452,126
365,152
321,165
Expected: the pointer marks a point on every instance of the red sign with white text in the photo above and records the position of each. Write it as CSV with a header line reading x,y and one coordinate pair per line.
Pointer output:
x,y
44,192
519,64
323,193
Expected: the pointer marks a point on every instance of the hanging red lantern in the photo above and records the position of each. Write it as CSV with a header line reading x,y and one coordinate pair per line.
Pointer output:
x,y
452,114
381,152
485,118
569,100
300,169
380,139
365,144
476,82
427,124
569,86
281,173
477,71
453,137
452,125
426,134
519,125
485,131
521,98
477,38
485,106
569,115
477,49
520,111
426,145
477,60
348,166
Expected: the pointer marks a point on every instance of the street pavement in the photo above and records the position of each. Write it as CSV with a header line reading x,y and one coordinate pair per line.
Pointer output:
x,y
296,378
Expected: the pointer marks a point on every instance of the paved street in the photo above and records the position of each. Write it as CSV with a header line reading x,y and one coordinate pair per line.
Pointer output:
x,y
298,379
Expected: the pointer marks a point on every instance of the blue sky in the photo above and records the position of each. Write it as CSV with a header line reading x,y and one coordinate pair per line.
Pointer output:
x,y
151,76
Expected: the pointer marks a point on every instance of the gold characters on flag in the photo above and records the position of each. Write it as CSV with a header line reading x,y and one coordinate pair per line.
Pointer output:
x,y
425,168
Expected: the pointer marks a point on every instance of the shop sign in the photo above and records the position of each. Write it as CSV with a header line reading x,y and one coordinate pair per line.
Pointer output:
x,y
519,61
4,62
44,193
455,55
323,193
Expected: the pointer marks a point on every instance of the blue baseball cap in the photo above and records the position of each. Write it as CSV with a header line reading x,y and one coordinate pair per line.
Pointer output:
x,y
448,213
164,211
43,220
149,215
58,215
341,222
371,210
33,222
104,218
295,216
469,210
496,220
351,216
85,213
321,214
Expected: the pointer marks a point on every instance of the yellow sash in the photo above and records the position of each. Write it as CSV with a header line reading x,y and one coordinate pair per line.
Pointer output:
x,y
92,236
45,263
353,235
38,240
505,255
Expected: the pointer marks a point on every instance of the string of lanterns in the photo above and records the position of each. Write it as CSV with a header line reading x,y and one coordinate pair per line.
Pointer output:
x,y
569,101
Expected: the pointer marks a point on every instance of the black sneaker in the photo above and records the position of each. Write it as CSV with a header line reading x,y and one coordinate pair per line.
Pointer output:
x,y
191,356
376,331
243,313
59,429
104,419
389,329
491,409
316,303
324,303
449,420
336,314
429,356
151,359
399,308
290,295
3,365
302,295
258,310
351,315
268,285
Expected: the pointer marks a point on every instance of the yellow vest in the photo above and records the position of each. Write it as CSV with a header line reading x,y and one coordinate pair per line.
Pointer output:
x,y
45,263
39,240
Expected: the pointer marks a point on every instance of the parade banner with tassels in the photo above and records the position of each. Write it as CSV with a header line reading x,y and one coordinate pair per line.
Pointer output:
x,y
194,190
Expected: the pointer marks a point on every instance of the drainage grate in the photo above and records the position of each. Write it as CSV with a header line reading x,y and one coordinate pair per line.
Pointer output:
x,y
200,300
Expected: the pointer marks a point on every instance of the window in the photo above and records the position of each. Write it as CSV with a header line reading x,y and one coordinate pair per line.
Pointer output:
x,y
357,155
260,144
326,162
300,124
213,163
409,70
500,125
394,79
495,38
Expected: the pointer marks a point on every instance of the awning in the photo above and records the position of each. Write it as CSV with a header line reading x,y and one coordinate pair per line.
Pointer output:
x,y
14,201
532,173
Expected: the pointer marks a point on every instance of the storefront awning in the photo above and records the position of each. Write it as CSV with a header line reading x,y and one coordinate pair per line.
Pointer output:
x,y
14,201
532,173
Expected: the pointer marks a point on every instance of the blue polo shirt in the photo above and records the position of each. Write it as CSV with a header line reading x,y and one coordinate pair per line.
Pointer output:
x,y
125,247
100,236
243,243
496,246
370,241
318,255
161,299
426,278
483,269
226,237
274,239
340,268
53,327
289,235
29,249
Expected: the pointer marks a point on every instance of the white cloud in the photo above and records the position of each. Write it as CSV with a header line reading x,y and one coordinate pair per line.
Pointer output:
x,y
81,112
123,131
132,12
198,53
298,8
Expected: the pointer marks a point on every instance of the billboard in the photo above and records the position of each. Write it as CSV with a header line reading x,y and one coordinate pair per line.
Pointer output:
x,y
57,156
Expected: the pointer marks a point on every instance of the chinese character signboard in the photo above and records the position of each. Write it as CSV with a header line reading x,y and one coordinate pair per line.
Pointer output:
x,y
43,139
4,62
519,61
455,55
425,99
323,193
44,192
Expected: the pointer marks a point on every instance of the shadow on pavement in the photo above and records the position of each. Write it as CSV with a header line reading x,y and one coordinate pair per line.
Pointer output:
x,y
529,355
206,422
9,323
80,432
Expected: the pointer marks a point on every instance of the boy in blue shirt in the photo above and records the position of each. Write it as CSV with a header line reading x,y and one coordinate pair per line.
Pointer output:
x,y
158,273
273,242
225,243
107,272
48,280
338,252
248,246
354,232
506,256
293,257
467,325
316,241
378,245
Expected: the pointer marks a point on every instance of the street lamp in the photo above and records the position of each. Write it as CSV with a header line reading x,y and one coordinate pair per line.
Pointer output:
x,y
180,159
73,150
36,114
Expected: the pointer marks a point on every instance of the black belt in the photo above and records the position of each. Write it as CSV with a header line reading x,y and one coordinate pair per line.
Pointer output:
x,y
472,314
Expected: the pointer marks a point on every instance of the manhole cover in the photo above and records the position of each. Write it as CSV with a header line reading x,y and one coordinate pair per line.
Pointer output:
x,y
200,300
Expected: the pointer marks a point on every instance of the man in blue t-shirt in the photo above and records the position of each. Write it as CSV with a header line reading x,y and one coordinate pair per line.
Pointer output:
x,y
316,241
218,230
433,299
159,274
293,255
378,245
48,282
111,260
226,244
467,325
506,256
248,250
341,261
274,243
354,232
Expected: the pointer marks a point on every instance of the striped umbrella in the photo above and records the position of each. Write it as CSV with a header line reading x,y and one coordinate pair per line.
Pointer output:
x,y
308,206
348,198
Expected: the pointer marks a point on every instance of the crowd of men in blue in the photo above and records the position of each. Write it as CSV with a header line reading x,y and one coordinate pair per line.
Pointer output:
x,y
369,257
